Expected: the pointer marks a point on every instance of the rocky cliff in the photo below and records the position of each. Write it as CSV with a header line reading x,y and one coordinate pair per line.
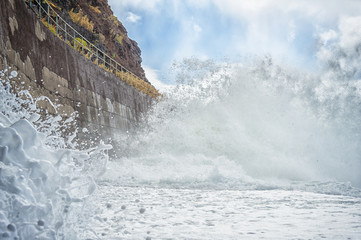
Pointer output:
x,y
94,19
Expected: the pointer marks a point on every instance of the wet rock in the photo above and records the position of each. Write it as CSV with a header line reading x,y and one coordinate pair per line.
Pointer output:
x,y
5,235
11,228
41,223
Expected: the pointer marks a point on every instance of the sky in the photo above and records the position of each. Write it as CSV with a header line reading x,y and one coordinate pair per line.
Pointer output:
x,y
290,31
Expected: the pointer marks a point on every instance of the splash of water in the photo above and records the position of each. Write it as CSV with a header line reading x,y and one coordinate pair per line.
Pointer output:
x,y
44,181
258,124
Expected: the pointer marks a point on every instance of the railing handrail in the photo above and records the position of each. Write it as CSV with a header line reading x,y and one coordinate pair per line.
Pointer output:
x,y
100,56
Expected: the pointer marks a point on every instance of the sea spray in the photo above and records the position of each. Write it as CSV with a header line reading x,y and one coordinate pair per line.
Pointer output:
x,y
44,186
253,124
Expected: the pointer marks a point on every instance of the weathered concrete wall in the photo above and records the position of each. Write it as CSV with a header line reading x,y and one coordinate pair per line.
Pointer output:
x,y
49,67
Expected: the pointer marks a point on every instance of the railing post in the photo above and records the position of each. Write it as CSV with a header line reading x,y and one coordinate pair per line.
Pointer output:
x,y
97,56
82,45
74,38
57,27
30,3
66,33
48,15
129,80
39,10
89,48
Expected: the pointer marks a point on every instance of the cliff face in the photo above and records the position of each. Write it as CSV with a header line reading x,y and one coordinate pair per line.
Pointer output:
x,y
94,19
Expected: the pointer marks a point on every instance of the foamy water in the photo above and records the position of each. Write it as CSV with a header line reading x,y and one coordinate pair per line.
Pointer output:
x,y
44,181
236,150
171,213
243,150
262,124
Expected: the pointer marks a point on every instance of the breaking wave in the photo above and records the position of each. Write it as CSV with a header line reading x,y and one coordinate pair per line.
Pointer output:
x,y
254,124
44,181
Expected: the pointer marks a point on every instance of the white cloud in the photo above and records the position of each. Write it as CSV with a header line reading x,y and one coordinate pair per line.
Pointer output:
x,y
133,18
147,5
328,36
316,8
285,29
350,29
342,56
152,76
197,28
292,31
271,24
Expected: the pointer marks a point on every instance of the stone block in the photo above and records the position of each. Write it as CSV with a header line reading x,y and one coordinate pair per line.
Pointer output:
x,y
110,107
80,95
65,92
53,83
65,110
13,23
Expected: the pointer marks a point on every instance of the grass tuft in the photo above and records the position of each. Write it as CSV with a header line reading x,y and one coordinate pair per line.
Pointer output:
x,y
81,20
119,39
138,83
51,27
95,9
114,19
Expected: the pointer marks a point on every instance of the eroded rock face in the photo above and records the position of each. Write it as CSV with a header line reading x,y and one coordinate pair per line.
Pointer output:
x,y
66,4
108,33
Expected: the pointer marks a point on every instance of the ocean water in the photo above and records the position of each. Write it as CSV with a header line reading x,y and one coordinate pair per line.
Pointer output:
x,y
171,213
45,182
247,150
240,151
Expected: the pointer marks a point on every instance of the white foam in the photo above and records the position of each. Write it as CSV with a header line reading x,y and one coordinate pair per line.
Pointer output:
x,y
250,122
43,187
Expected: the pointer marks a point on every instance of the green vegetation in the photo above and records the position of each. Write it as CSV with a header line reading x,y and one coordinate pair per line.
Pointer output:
x,y
114,20
95,9
102,37
52,5
119,39
138,83
80,43
51,27
81,20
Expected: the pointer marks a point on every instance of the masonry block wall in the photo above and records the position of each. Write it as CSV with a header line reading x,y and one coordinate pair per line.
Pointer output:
x,y
49,67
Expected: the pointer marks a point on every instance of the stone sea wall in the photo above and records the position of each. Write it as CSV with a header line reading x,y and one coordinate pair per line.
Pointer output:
x,y
49,67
